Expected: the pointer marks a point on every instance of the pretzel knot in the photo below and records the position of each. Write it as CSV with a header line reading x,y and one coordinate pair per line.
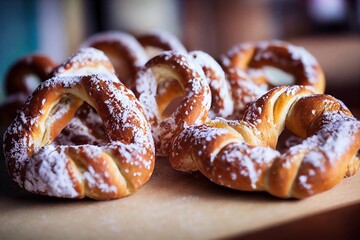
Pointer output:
x,y
172,81
241,154
114,169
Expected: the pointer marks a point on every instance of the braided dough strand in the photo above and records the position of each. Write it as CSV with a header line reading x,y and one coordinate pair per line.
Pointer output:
x,y
241,154
112,170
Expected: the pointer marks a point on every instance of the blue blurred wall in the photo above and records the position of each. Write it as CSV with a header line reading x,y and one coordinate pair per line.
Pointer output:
x,y
18,33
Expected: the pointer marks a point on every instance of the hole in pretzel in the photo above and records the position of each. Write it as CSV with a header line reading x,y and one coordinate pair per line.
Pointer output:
x,y
152,51
278,77
172,106
31,82
286,140
122,68
85,128
169,95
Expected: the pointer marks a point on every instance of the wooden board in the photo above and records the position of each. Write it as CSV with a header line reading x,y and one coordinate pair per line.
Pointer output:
x,y
171,205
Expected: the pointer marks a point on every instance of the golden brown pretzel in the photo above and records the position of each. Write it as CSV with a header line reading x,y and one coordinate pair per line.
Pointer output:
x,y
296,61
21,80
242,155
27,73
222,103
248,69
111,170
188,82
157,41
124,52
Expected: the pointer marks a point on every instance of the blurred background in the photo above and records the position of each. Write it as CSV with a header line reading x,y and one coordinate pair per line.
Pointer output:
x,y
329,29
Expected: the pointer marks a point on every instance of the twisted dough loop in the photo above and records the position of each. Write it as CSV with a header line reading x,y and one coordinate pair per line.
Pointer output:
x,y
250,57
86,61
246,67
113,170
241,154
157,41
124,52
86,126
189,82
222,104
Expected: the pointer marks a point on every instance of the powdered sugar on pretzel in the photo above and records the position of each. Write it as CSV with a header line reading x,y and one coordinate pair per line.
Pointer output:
x,y
86,61
109,170
222,104
242,155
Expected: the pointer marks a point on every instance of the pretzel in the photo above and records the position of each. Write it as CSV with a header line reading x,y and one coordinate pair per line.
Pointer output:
x,y
124,52
187,82
21,80
242,155
112,170
157,41
253,57
222,104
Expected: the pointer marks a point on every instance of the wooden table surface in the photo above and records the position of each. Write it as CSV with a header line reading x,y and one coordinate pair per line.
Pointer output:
x,y
172,205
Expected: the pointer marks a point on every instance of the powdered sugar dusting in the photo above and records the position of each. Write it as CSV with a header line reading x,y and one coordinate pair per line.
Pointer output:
x,y
47,173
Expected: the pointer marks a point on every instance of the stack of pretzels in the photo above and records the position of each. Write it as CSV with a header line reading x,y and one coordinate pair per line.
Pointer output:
x,y
98,121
